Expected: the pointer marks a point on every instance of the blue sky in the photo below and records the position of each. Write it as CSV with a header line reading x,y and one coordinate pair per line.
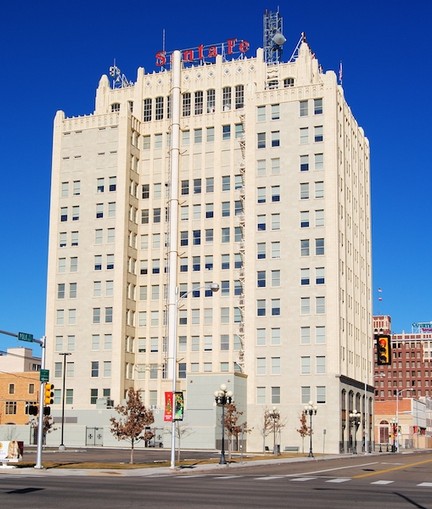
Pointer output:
x,y
53,54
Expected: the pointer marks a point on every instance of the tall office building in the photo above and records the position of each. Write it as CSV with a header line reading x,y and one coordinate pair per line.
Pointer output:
x,y
273,206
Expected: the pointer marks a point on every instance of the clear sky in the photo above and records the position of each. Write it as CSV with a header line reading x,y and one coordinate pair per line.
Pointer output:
x,y
54,53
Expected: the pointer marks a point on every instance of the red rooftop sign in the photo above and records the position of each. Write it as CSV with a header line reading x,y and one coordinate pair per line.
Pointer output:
x,y
202,53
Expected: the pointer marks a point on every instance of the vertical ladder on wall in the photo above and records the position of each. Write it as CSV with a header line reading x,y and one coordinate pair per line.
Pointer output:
x,y
242,144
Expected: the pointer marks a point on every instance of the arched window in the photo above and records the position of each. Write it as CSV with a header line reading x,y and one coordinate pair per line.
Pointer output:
x,y
115,107
288,82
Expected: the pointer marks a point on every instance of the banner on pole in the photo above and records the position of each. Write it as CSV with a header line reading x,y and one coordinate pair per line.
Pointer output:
x,y
178,406
168,412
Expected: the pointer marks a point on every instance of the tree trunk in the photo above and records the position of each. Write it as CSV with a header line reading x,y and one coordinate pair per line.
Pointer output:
x,y
132,451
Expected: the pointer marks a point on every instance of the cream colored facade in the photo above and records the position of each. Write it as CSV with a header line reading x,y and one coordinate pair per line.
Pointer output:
x,y
274,207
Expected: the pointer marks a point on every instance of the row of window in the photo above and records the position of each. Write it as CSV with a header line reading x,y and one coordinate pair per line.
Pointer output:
x,y
98,342
74,187
196,103
272,395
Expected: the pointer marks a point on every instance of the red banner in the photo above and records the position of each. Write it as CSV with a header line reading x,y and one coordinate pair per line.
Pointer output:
x,y
168,413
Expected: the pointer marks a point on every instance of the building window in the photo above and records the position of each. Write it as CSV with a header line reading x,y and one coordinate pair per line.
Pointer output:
x,y
304,219
159,104
320,394
261,307
304,277
305,305
304,247
10,407
304,163
305,336
319,246
261,250
305,395
319,189
275,138
275,111
211,100
320,365
226,98
319,161
304,135
93,396
95,369
186,104
147,110
289,82
320,305
261,366
261,140
261,279
199,102
304,191
305,365
304,108
318,106
226,132
275,193
320,275
226,183
318,133
275,395
275,307
320,335
239,96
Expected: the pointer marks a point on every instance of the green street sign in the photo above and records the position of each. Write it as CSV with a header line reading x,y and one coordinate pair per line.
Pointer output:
x,y
25,336
44,375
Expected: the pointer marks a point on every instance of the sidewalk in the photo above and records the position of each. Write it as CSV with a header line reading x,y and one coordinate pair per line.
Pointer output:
x,y
165,470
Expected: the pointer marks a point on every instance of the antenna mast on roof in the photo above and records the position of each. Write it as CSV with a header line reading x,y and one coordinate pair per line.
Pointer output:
x,y
273,37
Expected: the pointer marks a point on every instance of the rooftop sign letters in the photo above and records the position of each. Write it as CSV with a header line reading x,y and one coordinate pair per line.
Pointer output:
x,y
203,53
423,326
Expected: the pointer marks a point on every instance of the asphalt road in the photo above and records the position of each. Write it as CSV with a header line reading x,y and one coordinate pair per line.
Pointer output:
x,y
399,481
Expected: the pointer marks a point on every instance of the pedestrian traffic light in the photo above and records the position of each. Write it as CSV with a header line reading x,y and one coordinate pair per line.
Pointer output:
x,y
47,410
383,350
49,394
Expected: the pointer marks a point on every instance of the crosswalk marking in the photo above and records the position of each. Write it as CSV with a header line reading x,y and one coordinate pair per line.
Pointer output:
x,y
382,482
425,484
269,477
339,480
228,477
301,479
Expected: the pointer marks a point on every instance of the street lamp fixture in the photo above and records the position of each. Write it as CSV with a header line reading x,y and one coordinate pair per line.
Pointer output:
x,y
275,416
62,446
355,418
223,397
310,409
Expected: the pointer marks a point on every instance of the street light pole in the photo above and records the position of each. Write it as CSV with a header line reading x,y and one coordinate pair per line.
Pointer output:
x,y
275,416
355,418
223,397
62,446
310,409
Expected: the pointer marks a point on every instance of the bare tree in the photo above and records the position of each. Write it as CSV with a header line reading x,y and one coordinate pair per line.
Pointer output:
x,y
304,429
134,418
267,426
232,425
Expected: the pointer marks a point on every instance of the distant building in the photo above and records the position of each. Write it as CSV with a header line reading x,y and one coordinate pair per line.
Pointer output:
x,y
19,359
410,373
403,390
273,206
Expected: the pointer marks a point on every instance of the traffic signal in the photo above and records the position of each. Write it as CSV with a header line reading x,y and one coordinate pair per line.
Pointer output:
x,y
383,350
32,409
47,410
49,394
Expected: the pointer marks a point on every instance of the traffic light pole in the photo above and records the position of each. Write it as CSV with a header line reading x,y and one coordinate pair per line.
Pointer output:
x,y
41,413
